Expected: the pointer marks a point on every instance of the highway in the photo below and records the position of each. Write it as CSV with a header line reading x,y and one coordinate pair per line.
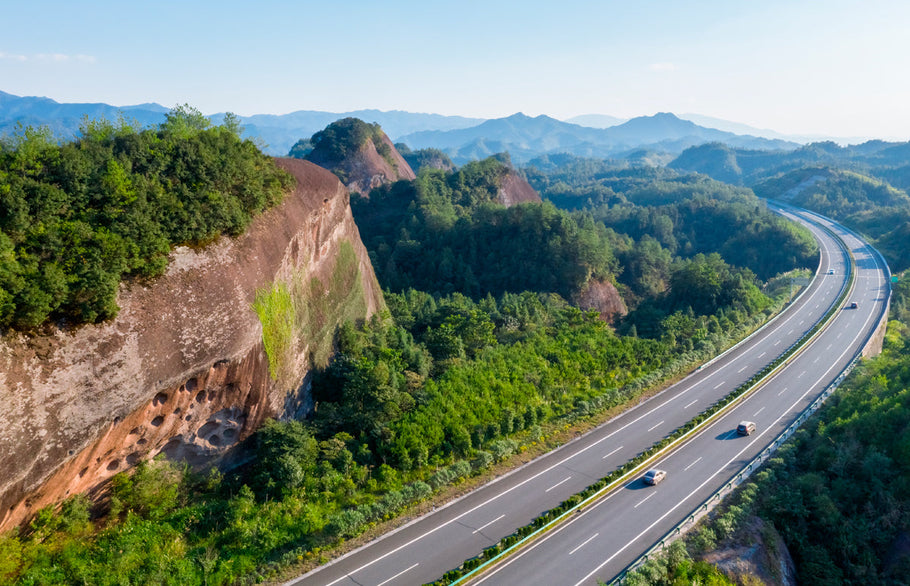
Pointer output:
x,y
598,543
601,541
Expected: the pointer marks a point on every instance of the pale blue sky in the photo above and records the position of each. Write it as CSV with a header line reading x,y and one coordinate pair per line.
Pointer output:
x,y
835,67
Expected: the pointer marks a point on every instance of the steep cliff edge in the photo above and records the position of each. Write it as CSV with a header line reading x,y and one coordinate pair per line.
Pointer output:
x,y
184,368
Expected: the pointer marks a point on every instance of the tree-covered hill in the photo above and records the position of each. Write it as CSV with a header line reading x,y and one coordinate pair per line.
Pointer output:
x,y
865,203
445,232
79,217
360,154
685,214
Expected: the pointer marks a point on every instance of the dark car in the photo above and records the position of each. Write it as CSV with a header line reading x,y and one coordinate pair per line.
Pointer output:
x,y
745,427
654,476
854,305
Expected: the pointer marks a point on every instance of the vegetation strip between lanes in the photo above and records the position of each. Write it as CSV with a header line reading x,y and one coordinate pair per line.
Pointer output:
x,y
547,521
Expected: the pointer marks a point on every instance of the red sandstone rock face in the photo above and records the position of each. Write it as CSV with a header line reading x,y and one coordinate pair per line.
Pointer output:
x,y
367,169
514,189
601,296
180,371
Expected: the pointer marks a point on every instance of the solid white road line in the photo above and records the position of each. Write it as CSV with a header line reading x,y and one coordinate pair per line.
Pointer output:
x,y
398,574
584,543
479,529
566,479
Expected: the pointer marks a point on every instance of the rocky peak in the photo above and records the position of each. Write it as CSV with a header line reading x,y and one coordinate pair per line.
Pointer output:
x,y
360,154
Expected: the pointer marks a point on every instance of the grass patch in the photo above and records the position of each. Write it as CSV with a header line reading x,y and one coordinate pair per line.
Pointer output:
x,y
278,316
306,313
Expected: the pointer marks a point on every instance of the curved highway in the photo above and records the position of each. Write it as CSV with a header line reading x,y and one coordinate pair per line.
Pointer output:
x,y
598,543
601,541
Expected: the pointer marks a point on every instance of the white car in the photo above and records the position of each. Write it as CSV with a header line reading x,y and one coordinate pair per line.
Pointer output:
x,y
654,476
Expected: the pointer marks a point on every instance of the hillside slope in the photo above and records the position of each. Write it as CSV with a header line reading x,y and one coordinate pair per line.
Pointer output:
x,y
187,368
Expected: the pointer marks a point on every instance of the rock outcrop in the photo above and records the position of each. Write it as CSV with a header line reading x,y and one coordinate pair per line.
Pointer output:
x,y
515,189
360,154
760,557
603,297
183,369
366,169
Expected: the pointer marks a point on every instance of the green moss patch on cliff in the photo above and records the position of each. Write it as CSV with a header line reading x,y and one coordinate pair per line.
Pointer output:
x,y
328,305
304,315
278,315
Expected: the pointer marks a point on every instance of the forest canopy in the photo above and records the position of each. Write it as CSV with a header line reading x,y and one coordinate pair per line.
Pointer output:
x,y
79,217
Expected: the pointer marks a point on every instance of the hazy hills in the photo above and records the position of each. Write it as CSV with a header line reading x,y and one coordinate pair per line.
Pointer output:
x,y
743,166
525,138
462,138
277,133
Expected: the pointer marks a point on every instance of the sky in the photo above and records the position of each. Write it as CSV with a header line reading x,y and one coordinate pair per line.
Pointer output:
x,y
832,67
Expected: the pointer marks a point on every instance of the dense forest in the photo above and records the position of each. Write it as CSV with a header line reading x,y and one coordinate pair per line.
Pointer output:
x,y
481,357
78,218
445,233
863,186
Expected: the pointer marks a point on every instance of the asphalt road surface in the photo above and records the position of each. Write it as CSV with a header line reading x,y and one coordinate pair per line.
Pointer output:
x,y
600,542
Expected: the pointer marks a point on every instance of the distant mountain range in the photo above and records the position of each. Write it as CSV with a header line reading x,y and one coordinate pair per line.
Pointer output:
x,y
463,139
526,138
278,133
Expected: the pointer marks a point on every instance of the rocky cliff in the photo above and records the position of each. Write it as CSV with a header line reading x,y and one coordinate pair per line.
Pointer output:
x,y
514,189
601,296
360,154
195,360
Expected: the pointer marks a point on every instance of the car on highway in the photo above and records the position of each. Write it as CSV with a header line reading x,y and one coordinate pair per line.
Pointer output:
x,y
654,476
854,305
830,271
745,427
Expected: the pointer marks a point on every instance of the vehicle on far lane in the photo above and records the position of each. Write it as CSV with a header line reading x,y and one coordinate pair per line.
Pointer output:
x,y
854,305
654,476
830,271
745,427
